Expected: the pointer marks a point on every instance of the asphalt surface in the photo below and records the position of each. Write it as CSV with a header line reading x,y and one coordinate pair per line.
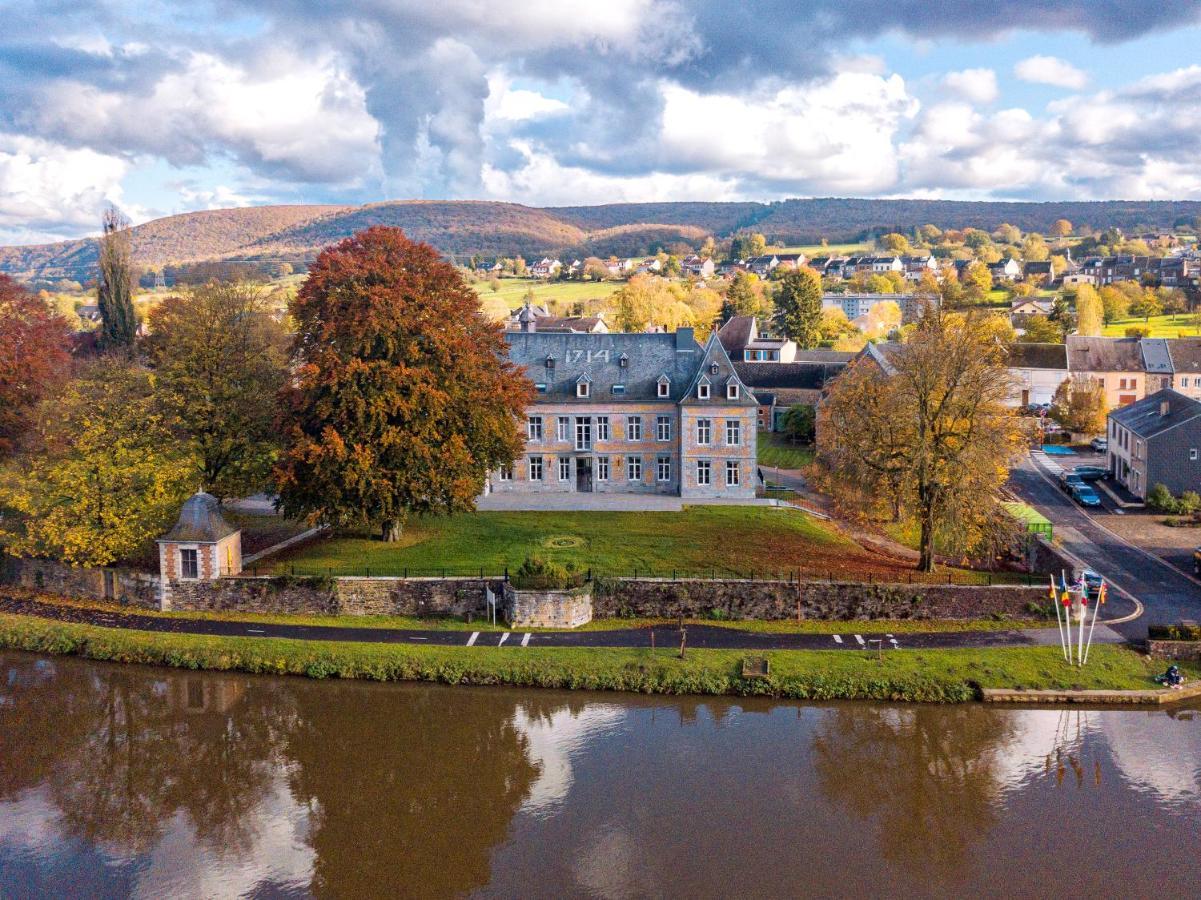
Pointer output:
x,y
698,636
1167,595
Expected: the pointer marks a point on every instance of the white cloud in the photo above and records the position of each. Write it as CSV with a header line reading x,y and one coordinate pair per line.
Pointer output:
x,y
508,104
1050,70
48,190
976,85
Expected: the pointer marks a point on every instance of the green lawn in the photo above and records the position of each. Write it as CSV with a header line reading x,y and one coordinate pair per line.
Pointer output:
x,y
513,290
729,540
812,250
777,452
1161,326
914,675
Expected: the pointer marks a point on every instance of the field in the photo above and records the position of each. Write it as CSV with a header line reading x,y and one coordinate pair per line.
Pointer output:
x,y
513,290
724,540
812,250
1161,326
777,452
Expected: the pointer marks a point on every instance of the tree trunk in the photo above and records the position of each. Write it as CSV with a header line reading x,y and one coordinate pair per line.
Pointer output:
x,y
925,562
390,531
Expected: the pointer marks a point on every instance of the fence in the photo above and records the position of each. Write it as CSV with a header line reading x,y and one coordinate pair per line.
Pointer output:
x,y
899,576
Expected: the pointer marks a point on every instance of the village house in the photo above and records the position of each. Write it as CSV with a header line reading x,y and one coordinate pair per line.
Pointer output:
x,y
1037,371
545,268
1116,363
1041,271
701,267
1022,308
632,413
779,386
743,342
879,265
538,318
915,266
648,266
1156,441
1005,270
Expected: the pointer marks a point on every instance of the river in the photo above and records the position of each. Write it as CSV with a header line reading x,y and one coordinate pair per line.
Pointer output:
x,y
127,781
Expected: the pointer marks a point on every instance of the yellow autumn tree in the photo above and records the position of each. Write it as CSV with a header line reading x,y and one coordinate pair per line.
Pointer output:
x,y
103,475
1090,311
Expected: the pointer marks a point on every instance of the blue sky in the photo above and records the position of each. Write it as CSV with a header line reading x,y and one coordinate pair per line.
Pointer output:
x,y
165,107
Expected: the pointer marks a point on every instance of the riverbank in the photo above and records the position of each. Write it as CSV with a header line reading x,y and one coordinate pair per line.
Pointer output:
x,y
932,676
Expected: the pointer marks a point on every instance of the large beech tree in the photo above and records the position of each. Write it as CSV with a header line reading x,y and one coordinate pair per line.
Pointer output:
x,y
402,399
33,357
926,438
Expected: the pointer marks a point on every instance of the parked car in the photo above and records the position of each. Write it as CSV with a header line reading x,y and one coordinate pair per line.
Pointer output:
x,y
1090,473
1069,480
1085,495
1099,444
1092,584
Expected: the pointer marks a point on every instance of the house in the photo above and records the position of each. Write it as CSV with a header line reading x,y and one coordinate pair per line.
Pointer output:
x,y
778,386
202,546
1022,308
537,318
915,266
89,312
1156,441
649,265
545,268
701,267
632,413
1037,371
880,264
1005,270
743,343
791,260
828,265
855,306
1117,363
1173,363
620,266
1108,269
762,265
1041,270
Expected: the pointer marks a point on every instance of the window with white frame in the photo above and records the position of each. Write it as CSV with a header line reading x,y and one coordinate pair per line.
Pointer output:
x,y
602,468
533,428
563,428
618,390
663,468
664,388
1184,381
535,468
704,431
1192,454
731,473
731,391
583,433
634,468
704,473
564,468
633,428
663,428
582,389
702,390
733,433
602,428
505,473
189,563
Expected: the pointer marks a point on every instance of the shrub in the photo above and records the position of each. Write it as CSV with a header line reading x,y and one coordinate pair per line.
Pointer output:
x,y
538,574
1160,499
1190,502
1174,632
1138,331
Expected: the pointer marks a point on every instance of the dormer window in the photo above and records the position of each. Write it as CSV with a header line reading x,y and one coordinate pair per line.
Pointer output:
x,y
702,390
623,361
732,391
550,362
664,386
581,389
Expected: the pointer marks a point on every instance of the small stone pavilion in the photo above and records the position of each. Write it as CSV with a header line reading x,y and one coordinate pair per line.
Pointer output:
x,y
201,547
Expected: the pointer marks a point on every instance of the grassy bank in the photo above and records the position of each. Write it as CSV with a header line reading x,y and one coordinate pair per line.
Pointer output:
x,y
777,452
943,676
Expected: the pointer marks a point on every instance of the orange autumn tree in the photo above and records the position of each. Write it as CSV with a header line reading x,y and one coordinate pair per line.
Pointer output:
x,y
33,357
402,398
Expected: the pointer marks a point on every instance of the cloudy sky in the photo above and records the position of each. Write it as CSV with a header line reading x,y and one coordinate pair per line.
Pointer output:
x,y
165,107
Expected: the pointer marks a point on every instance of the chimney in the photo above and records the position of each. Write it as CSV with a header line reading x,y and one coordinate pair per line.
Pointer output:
x,y
685,339
1164,407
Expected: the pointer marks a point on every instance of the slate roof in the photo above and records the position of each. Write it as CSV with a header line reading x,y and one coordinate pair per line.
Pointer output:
x,y
783,376
1038,356
200,521
736,333
1156,358
1146,419
1098,354
832,357
1185,354
715,365
649,356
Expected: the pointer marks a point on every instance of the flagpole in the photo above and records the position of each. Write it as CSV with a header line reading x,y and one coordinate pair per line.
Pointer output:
x,y
1093,627
1083,616
1058,621
1067,611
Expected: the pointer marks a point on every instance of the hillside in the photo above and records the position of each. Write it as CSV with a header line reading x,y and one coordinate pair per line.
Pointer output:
x,y
484,228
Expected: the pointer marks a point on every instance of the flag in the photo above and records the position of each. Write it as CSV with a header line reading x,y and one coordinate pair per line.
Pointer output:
x,y
1101,593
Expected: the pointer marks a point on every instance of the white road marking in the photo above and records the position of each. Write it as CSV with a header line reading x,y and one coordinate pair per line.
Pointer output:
x,y
859,638
255,631
504,637
838,638
474,637
525,641
419,638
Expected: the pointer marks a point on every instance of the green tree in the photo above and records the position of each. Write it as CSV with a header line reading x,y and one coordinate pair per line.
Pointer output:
x,y
105,476
799,423
221,359
1063,317
1035,249
799,306
744,297
119,323
1147,305
1079,406
1007,234
745,245
1090,312
402,401
1041,330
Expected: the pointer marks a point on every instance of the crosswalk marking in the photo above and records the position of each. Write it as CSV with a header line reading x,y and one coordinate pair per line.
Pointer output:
x,y
504,637
474,637
525,641
838,638
859,638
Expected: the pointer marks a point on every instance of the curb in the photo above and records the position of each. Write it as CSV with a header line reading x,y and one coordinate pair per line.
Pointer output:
x,y
1158,697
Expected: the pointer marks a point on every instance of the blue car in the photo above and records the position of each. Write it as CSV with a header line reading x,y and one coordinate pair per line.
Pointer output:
x,y
1085,495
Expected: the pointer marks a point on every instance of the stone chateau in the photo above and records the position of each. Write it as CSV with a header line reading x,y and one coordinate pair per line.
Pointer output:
x,y
632,413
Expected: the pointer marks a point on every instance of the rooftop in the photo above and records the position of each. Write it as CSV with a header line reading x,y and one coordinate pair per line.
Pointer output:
x,y
1158,412
1099,354
200,521
1038,356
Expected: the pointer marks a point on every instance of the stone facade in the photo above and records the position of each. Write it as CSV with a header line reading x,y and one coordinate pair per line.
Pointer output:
x,y
119,585
1184,651
548,609
809,600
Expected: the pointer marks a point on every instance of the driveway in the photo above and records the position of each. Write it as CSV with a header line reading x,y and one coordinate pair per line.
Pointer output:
x,y
1166,594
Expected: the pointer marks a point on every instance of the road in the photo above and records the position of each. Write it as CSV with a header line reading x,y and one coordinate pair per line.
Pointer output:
x,y
1166,594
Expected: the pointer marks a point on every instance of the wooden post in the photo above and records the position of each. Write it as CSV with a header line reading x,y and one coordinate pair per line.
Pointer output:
x,y
683,640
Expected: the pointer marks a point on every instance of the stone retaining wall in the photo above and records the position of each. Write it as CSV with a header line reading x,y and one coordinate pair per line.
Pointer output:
x,y
117,585
810,600
338,596
548,609
1189,651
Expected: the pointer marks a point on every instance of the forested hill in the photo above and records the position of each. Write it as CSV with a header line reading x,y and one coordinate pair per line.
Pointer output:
x,y
294,234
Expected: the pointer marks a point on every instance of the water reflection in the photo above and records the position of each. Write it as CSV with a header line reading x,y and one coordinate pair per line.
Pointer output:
x,y
127,781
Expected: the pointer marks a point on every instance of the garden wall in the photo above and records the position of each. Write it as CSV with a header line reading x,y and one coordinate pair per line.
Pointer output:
x,y
548,609
810,600
338,596
118,585
1178,650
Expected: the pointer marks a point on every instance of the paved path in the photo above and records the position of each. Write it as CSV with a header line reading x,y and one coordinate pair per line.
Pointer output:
x,y
699,636
1166,594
